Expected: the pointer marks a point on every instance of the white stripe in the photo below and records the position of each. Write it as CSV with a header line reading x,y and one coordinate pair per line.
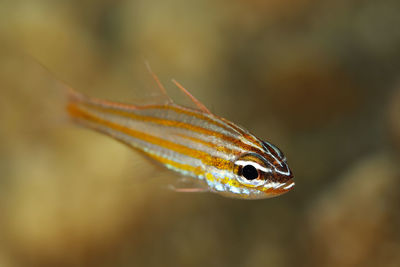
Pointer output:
x,y
284,173
254,164
274,185
289,186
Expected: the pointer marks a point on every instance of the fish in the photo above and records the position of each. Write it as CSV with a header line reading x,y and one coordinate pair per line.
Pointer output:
x,y
214,153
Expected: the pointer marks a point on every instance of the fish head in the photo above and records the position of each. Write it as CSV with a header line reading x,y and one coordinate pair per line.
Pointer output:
x,y
265,174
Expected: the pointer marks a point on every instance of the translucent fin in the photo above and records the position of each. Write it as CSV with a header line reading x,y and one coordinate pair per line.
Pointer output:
x,y
159,84
192,98
161,97
187,185
189,190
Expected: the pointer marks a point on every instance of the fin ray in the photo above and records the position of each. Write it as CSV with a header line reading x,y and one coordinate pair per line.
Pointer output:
x,y
194,100
159,84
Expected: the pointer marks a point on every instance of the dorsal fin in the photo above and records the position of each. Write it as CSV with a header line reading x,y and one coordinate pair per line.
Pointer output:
x,y
194,100
159,84
198,104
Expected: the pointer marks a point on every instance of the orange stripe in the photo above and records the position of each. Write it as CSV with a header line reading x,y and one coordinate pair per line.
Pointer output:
x,y
178,109
189,112
174,107
209,144
185,167
177,124
204,157
249,137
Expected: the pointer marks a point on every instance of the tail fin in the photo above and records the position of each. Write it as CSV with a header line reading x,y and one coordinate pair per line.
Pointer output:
x,y
75,96
74,100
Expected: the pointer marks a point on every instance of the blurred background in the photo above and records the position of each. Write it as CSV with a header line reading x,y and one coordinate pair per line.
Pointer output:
x,y
321,79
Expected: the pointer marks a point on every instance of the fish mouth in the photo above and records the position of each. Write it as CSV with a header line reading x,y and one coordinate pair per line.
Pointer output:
x,y
288,185
276,189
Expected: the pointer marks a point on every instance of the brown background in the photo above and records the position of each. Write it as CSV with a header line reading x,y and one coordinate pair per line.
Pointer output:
x,y
319,78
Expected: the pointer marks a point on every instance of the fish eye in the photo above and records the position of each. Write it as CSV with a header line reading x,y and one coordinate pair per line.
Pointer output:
x,y
250,172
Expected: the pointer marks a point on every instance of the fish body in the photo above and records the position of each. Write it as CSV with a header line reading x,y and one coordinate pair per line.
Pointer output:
x,y
220,155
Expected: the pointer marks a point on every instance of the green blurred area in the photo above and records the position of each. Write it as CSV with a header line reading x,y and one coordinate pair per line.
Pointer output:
x,y
321,79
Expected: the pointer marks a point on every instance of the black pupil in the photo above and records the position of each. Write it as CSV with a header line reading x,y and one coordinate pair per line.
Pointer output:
x,y
250,172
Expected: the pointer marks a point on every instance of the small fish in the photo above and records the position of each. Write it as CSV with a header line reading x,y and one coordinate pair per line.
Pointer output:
x,y
217,154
